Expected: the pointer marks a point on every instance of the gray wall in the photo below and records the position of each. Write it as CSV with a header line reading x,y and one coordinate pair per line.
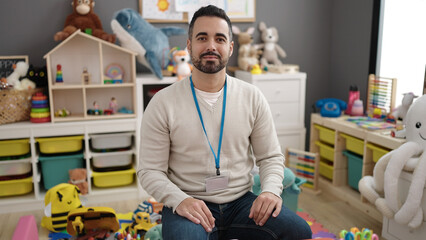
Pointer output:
x,y
329,39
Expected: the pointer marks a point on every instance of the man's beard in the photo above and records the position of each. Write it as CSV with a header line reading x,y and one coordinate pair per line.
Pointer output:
x,y
209,67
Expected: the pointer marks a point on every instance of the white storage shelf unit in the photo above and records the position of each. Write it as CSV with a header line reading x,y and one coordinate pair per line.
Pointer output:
x,y
26,130
81,51
285,94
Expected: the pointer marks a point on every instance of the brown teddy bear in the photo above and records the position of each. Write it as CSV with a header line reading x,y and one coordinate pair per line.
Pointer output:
x,y
78,177
86,20
248,54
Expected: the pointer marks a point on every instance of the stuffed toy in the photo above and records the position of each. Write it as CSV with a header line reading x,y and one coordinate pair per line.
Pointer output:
x,y
382,190
86,20
289,181
59,201
20,70
182,67
401,111
248,54
154,233
78,177
271,49
151,43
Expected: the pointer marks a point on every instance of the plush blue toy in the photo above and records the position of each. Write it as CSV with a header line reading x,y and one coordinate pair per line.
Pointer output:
x,y
289,181
151,43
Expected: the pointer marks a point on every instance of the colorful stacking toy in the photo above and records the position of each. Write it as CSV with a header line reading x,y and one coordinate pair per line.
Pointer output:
x,y
40,111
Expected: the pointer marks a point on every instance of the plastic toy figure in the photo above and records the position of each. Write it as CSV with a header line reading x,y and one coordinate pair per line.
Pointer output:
x,y
113,105
85,76
96,106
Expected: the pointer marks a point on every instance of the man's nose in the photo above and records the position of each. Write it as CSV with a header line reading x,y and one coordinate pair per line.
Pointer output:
x,y
211,47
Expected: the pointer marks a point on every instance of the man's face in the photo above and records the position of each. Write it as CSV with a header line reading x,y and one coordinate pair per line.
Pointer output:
x,y
210,46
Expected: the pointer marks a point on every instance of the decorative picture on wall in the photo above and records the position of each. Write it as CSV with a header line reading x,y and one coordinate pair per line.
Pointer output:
x,y
164,11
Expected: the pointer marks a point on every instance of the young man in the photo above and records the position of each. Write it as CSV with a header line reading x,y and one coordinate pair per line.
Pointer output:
x,y
200,138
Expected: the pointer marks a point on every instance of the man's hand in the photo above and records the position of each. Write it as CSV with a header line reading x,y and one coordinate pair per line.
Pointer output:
x,y
263,206
197,212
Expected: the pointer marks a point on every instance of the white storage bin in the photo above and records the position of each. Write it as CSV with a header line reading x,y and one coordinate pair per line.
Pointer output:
x,y
111,141
112,159
15,167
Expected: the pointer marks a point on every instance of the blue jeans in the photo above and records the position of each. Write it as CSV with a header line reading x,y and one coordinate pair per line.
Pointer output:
x,y
232,222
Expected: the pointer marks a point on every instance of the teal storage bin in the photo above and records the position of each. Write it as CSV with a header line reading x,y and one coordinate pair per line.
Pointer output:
x,y
54,169
290,194
354,169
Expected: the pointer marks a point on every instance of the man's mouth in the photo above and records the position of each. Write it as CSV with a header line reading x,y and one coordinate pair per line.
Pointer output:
x,y
210,56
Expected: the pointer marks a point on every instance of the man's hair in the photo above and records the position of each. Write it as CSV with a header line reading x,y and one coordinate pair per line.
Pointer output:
x,y
210,11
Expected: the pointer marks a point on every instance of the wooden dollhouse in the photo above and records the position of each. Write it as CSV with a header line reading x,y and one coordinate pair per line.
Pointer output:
x,y
77,70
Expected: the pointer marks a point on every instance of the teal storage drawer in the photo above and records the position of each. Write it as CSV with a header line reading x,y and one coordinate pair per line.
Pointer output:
x,y
354,169
54,169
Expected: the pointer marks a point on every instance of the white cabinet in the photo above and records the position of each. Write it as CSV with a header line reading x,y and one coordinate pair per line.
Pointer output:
x,y
285,94
394,231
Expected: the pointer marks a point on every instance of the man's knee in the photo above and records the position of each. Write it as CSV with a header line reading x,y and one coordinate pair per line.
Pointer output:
x,y
180,228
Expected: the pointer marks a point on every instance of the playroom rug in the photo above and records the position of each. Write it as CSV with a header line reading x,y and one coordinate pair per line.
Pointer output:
x,y
318,231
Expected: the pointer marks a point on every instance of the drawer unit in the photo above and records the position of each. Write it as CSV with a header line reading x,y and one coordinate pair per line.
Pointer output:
x,y
16,187
354,169
54,145
14,147
354,144
55,168
112,159
285,94
325,134
292,138
378,151
111,141
326,151
326,169
15,167
113,178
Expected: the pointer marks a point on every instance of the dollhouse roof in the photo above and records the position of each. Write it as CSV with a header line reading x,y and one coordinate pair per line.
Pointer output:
x,y
89,38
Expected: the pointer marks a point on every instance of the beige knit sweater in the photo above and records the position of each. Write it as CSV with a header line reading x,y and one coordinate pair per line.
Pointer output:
x,y
175,158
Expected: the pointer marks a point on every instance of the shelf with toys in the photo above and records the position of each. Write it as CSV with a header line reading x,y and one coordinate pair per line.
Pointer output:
x,y
35,189
91,79
347,153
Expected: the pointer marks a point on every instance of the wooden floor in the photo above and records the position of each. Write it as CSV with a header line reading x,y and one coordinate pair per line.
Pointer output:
x,y
336,215
332,213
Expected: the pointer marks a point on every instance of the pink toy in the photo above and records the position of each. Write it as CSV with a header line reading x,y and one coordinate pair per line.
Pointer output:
x,y
26,229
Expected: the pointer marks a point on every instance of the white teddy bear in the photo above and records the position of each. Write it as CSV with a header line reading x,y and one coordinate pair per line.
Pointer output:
x,y
21,69
271,49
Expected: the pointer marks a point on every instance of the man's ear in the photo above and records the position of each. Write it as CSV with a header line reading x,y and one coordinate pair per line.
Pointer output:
x,y
188,46
231,48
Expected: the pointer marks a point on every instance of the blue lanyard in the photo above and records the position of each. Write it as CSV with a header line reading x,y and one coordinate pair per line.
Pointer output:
x,y
216,158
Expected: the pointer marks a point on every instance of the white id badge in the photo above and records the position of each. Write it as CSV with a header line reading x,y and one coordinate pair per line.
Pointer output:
x,y
216,183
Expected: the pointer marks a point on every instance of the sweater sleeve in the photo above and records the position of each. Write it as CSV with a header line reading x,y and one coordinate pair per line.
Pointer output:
x,y
154,155
266,149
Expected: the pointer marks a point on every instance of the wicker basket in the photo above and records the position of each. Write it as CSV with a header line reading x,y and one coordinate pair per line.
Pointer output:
x,y
15,105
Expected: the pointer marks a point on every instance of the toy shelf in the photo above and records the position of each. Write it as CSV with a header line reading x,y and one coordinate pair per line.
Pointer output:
x,y
333,138
83,70
31,131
